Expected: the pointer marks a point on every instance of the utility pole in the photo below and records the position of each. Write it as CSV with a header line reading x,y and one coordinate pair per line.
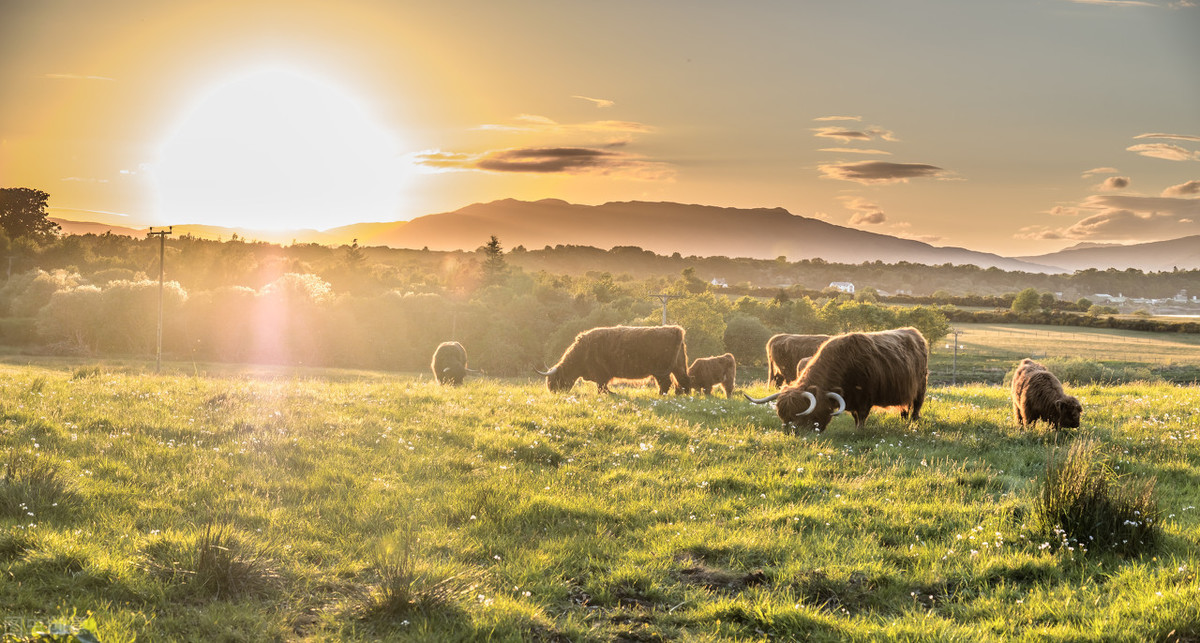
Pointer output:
x,y
162,255
954,363
665,298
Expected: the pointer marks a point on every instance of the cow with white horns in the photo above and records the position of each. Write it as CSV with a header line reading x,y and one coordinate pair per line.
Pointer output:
x,y
855,372
630,352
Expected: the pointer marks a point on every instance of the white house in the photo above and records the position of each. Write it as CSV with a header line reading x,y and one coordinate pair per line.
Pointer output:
x,y
844,286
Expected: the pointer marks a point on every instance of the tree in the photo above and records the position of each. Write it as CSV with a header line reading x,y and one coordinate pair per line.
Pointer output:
x,y
23,214
493,262
1047,300
1026,301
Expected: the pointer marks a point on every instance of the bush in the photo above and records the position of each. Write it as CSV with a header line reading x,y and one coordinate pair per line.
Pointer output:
x,y
1079,371
746,337
1084,504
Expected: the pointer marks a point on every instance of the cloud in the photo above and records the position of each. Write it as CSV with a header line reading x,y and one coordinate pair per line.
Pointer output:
x,y
865,212
1117,3
1177,137
599,102
868,172
542,124
1100,170
852,150
838,118
1114,183
115,214
1126,218
550,160
1164,151
870,218
75,77
1183,189
846,135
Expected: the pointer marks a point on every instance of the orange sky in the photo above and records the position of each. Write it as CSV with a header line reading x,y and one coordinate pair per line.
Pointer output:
x,y
1016,127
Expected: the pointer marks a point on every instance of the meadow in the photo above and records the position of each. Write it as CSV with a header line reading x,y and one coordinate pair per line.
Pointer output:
x,y
987,352
354,505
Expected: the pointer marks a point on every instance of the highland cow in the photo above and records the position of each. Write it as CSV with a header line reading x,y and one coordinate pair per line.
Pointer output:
x,y
784,353
449,363
707,372
629,352
1038,395
856,372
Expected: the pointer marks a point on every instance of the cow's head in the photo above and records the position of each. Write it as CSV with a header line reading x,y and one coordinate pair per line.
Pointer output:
x,y
557,380
1069,410
810,407
805,407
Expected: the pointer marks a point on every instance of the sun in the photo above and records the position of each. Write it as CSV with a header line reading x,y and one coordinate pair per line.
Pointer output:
x,y
276,149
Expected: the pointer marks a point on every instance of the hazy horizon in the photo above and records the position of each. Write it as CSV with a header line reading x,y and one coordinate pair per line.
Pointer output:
x,y
1012,128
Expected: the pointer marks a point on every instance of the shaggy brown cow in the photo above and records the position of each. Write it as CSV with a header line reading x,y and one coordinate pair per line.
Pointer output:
x,y
707,372
630,352
784,353
449,363
855,372
1038,395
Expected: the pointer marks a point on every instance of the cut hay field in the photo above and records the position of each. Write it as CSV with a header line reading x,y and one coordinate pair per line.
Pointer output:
x,y
367,506
988,351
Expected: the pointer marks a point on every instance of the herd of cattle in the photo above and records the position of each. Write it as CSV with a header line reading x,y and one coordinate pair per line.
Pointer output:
x,y
819,376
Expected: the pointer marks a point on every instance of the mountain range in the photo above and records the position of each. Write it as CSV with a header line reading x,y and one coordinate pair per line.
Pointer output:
x,y
700,230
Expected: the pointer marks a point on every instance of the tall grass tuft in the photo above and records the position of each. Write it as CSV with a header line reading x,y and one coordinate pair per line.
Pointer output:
x,y
224,567
1085,504
29,484
406,586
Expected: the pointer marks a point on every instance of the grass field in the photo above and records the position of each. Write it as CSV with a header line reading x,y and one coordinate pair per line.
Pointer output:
x,y
366,506
988,351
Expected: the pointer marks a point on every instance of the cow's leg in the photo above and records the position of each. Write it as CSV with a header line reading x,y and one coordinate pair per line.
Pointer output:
x,y
682,380
860,417
664,383
916,405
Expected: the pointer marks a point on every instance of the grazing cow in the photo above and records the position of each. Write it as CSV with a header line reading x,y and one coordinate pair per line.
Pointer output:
x,y
450,363
707,372
630,352
855,372
784,353
1038,395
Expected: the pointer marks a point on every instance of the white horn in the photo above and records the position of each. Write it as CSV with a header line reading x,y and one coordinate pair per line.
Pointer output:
x,y
763,400
840,402
546,373
812,402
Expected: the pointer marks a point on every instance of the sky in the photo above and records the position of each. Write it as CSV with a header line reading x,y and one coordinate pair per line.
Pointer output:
x,y
1017,127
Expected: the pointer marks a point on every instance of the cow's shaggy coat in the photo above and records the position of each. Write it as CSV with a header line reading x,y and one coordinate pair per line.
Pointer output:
x,y
784,353
707,372
629,352
449,363
1038,395
861,371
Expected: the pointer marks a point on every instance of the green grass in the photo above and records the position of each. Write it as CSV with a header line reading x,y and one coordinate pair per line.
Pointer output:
x,y
368,506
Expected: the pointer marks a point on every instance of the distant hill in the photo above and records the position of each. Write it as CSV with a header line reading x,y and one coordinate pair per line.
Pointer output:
x,y
700,230
91,227
1157,256
665,228
209,232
